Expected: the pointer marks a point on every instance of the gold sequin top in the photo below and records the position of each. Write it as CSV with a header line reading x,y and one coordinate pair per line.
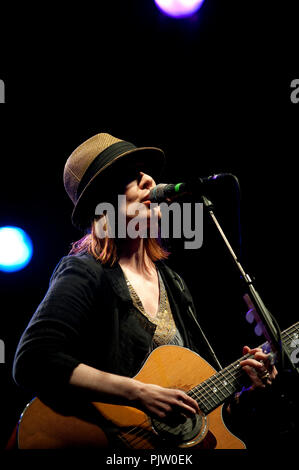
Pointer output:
x,y
166,331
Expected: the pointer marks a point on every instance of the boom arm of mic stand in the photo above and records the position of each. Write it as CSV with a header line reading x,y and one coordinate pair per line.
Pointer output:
x,y
263,312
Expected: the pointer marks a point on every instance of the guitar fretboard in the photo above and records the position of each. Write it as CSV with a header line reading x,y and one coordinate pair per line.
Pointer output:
x,y
219,387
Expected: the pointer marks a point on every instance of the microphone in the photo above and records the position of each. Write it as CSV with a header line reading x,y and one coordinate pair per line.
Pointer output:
x,y
168,192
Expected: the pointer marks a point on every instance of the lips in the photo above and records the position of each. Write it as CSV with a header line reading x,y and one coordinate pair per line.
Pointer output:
x,y
145,200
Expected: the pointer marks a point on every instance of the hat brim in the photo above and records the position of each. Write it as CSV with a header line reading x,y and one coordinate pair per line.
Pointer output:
x,y
101,187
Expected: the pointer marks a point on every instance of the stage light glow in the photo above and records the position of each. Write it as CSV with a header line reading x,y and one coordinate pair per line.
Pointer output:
x,y
179,8
15,249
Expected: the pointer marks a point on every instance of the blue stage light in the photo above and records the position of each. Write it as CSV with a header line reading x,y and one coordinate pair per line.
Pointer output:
x,y
15,249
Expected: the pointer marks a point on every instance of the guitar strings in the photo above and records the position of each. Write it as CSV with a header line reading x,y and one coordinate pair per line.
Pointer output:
x,y
141,432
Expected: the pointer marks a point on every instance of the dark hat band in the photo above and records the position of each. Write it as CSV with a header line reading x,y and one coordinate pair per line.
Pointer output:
x,y
101,160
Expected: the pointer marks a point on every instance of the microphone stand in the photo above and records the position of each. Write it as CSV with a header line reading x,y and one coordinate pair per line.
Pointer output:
x,y
272,331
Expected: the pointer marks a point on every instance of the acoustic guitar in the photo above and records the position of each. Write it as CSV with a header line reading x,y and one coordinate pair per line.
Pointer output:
x,y
40,427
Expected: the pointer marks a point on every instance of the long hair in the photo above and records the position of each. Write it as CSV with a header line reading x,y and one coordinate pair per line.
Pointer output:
x,y
106,249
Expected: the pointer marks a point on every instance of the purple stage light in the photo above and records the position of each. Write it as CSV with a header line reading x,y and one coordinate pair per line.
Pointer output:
x,y
179,8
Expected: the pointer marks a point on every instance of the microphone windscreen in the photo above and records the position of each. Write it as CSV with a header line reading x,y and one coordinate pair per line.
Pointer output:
x,y
157,193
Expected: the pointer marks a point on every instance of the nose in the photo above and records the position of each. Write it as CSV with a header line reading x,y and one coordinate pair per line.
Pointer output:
x,y
146,181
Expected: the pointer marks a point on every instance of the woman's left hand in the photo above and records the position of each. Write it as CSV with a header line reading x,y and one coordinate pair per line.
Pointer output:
x,y
260,368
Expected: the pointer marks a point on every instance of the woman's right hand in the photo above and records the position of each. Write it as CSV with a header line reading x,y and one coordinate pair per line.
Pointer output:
x,y
161,402
158,402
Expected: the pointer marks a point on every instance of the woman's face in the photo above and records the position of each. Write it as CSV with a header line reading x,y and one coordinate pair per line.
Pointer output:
x,y
135,213
137,193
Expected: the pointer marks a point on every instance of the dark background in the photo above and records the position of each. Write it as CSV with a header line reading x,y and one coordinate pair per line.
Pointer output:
x,y
213,91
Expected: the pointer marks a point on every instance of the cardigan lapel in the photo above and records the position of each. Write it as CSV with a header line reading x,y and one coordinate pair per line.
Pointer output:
x,y
117,281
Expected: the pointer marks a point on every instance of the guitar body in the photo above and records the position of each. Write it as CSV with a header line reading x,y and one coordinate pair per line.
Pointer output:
x,y
169,366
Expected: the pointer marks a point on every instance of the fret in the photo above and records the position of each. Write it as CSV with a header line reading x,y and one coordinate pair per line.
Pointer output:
x,y
292,331
205,391
219,387
212,392
200,395
291,335
202,398
230,375
287,337
222,385
293,327
227,382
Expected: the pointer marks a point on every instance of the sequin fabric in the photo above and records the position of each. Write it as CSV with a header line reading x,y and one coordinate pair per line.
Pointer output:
x,y
166,329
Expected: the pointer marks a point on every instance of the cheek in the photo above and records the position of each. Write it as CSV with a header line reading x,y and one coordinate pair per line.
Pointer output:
x,y
133,209
155,212
126,205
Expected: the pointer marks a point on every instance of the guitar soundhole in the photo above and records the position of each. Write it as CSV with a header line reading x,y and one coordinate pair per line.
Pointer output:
x,y
180,428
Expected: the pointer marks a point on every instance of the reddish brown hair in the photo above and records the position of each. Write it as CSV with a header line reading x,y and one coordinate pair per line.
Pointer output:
x,y
106,250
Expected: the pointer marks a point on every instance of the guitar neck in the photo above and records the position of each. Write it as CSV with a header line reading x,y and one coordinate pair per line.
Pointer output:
x,y
221,386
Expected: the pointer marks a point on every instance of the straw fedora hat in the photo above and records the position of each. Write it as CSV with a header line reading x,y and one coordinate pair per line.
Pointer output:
x,y
94,166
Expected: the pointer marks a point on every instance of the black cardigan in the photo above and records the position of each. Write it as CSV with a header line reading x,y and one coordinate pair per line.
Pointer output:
x,y
87,316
